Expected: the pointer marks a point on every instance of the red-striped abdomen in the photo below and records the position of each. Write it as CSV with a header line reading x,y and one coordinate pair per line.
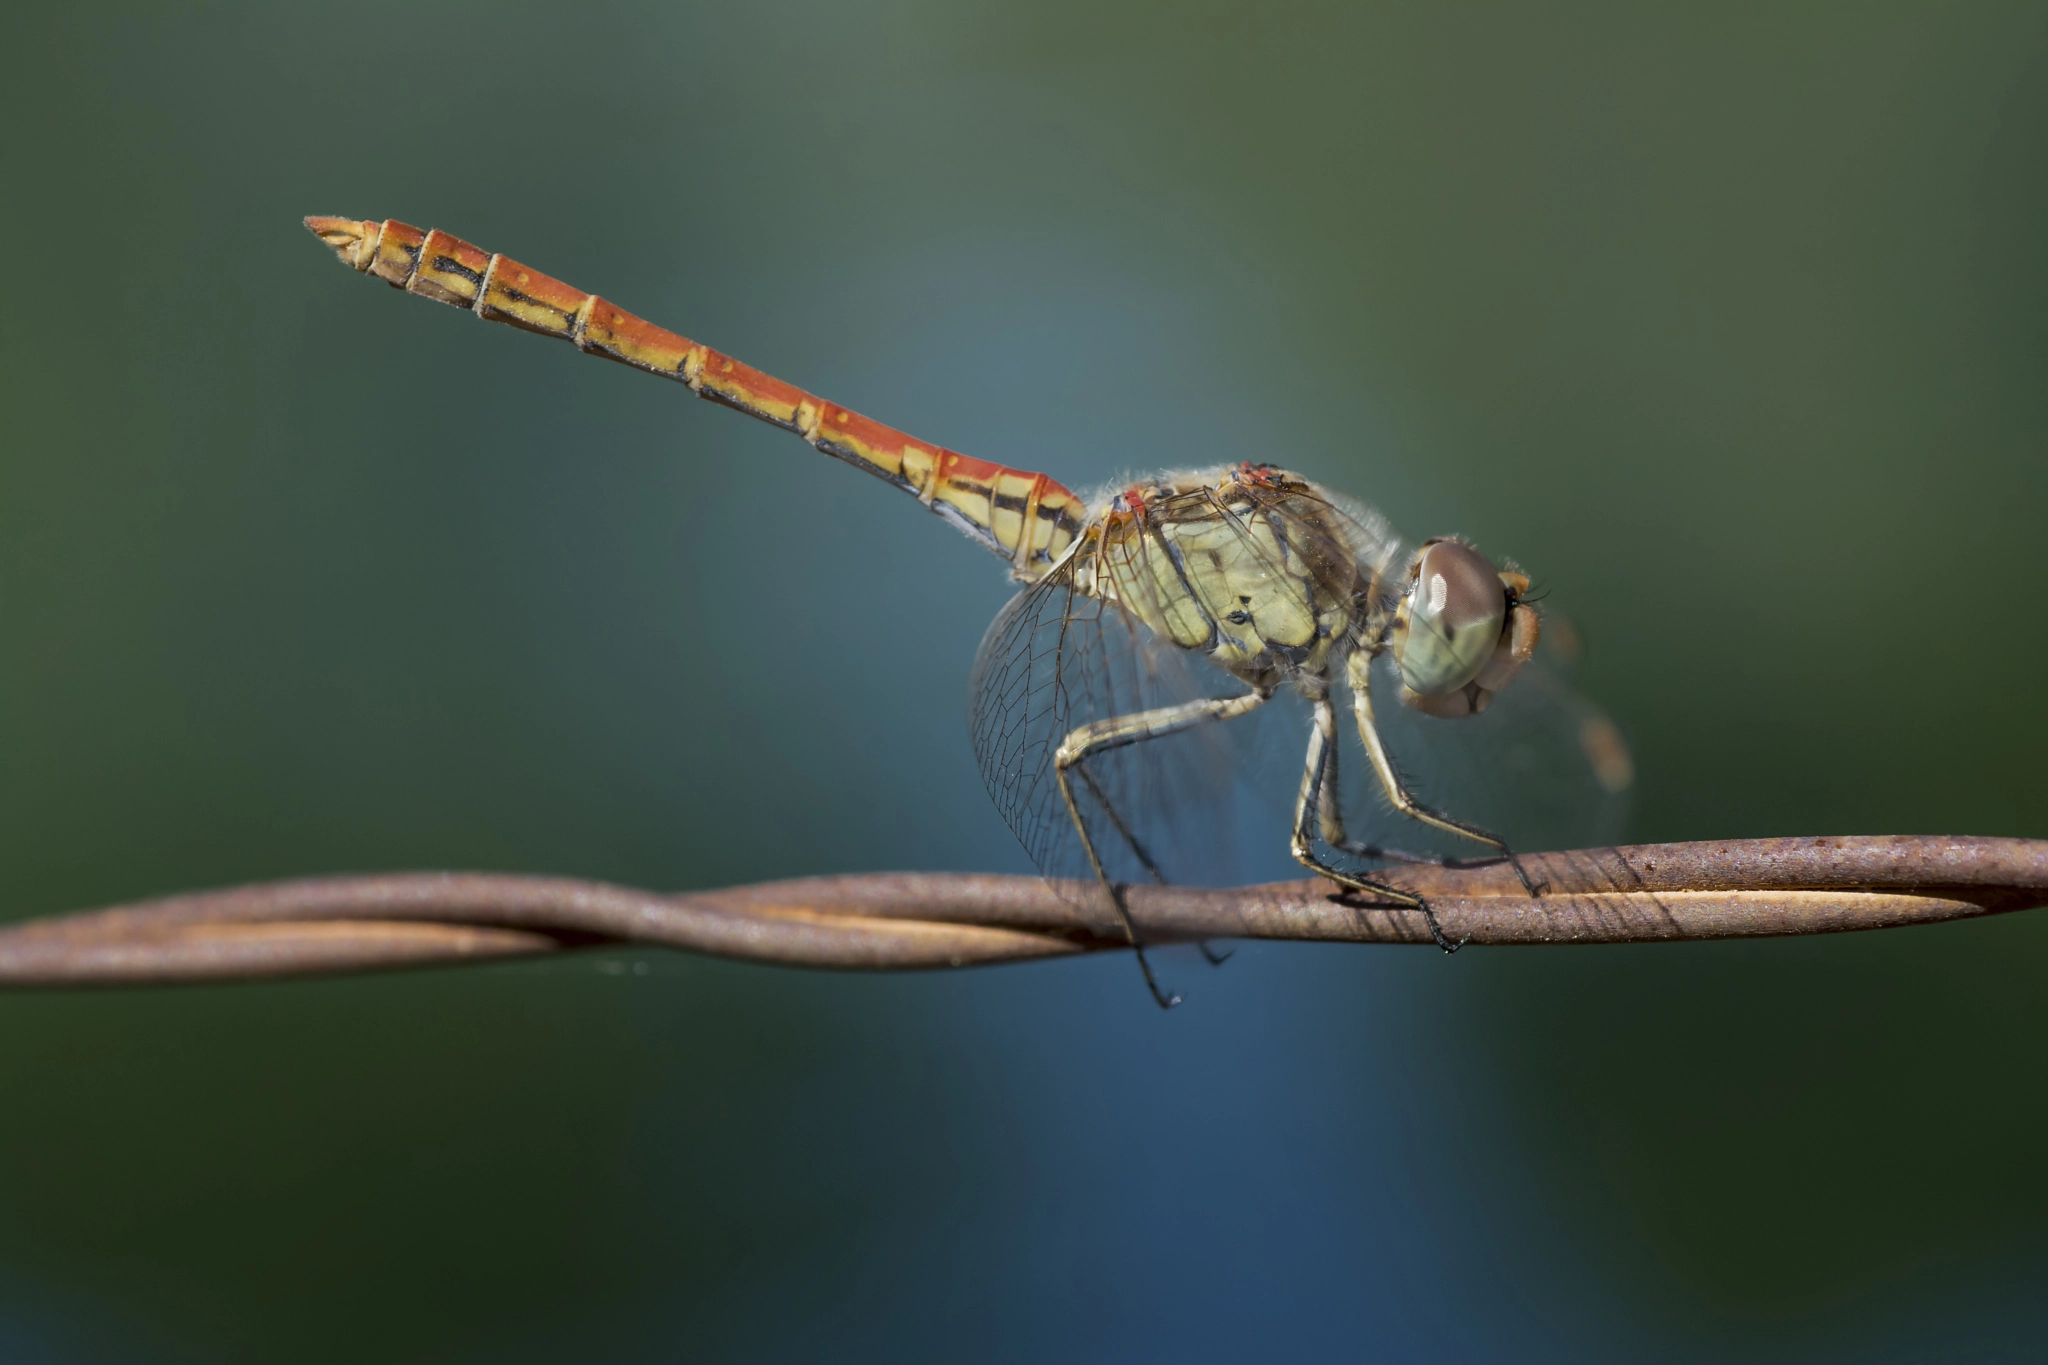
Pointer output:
x,y
1027,518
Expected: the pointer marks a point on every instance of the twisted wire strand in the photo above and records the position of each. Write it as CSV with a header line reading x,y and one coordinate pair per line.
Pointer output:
x,y
900,921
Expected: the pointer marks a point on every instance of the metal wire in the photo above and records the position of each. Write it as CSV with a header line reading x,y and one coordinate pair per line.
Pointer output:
x,y
893,921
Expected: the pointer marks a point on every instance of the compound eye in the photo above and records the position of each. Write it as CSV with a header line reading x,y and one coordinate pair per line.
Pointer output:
x,y
1456,608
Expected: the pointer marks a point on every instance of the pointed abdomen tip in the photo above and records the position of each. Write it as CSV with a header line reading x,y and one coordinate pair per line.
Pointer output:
x,y
354,240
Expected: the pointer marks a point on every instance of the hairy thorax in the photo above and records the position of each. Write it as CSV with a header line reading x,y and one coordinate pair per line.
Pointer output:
x,y
1254,569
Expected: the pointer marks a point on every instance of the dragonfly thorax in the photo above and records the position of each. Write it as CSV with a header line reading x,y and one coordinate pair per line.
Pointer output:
x,y
1253,568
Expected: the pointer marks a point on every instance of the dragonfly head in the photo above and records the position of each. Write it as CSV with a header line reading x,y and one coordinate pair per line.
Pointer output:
x,y
1461,631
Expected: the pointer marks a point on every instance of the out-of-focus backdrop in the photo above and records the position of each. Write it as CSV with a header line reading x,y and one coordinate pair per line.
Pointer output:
x,y
1728,320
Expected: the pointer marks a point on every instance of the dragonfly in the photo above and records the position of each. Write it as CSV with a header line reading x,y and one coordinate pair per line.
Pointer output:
x,y
1149,618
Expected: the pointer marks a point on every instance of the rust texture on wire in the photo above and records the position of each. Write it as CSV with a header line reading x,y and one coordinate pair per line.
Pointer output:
x,y
892,921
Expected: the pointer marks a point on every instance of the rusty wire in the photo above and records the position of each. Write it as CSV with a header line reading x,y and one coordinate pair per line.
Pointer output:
x,y
890,921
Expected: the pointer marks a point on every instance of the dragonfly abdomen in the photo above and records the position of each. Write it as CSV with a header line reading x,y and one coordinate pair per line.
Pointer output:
x,y
1026,517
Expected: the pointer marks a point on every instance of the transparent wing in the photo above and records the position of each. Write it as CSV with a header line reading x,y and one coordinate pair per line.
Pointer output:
x,y
1162,809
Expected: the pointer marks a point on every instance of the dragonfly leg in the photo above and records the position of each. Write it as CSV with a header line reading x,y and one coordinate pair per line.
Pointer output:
x,y
1318,806
1116,732
1123,831
1210,955
1359,673
1330,816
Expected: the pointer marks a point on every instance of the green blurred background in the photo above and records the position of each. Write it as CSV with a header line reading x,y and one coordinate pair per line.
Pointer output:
x,y
1728,320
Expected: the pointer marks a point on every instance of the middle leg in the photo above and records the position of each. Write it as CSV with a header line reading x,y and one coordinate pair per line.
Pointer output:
x,y
1318,805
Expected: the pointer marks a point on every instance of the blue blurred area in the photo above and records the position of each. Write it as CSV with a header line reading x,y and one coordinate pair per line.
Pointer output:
x,y
1725,321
